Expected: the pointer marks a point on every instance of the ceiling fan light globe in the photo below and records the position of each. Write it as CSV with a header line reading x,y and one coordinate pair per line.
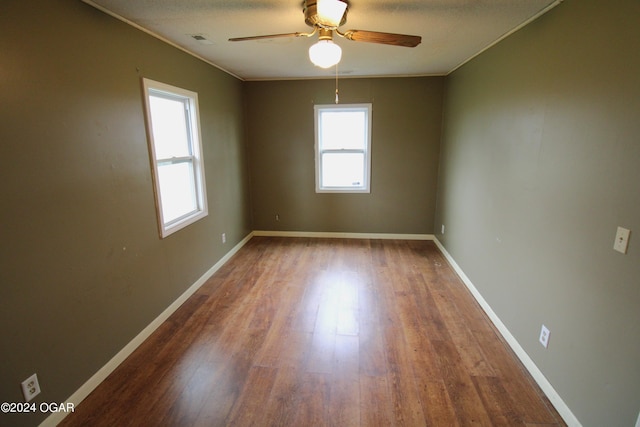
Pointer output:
x,y
325,54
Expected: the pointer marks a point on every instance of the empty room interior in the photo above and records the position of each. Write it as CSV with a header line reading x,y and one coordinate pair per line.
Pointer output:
x,y
493,226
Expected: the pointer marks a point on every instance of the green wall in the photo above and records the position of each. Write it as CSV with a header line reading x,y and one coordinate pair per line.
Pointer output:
x,y
405,140
540,164
83,270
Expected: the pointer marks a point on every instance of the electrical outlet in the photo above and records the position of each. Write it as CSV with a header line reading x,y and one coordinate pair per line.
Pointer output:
x,y
277,217
224,237
622,240
544,336
30,387
442,231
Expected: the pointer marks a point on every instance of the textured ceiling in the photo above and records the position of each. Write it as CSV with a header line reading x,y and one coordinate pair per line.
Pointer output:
x,y
452,31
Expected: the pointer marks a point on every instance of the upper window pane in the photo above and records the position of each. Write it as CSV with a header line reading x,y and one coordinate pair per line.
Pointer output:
x,y
342,130
170,127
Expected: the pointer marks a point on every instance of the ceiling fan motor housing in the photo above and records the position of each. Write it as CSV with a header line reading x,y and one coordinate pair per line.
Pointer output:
x,y
312,19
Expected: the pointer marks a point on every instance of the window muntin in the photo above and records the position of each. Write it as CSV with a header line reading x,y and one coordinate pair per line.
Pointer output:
x,y
176,153
343,148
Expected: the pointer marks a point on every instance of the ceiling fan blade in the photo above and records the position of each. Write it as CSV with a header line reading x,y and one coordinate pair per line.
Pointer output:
x,y
269,36
384,38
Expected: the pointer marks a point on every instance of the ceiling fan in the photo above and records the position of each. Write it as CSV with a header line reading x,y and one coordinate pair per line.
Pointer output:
x,y
325,16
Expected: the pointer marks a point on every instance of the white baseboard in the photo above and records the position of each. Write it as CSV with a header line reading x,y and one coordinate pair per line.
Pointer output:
x,y
93,382
536,373
338,235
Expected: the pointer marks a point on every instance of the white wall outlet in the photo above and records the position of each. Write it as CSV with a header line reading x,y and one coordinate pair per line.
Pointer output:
x,y
544,336
30,387
442,230
622,240
277,217
224,237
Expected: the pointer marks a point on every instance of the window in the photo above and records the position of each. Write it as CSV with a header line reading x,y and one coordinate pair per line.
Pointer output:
x,y
173,130
343,148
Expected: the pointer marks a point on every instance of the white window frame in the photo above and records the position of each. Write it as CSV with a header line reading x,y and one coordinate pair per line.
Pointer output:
x,y
190,100
365,186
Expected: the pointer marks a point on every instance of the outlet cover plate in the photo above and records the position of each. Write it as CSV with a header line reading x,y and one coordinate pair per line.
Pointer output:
x,y
30,387
622,240
544,336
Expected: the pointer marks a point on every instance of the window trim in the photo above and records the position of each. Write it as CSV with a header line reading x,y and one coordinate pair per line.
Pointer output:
x,y
190,99
366,186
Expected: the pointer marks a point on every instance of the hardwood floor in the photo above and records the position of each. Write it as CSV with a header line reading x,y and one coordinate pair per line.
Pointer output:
x,y
323,332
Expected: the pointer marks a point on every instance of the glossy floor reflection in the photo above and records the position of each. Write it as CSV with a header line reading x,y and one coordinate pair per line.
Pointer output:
x,y
314,332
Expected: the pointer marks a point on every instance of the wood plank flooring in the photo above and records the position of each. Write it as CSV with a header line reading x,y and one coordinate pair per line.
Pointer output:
x,y
323,332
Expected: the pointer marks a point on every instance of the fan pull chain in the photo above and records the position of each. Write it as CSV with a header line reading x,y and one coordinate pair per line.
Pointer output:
x,y
337,84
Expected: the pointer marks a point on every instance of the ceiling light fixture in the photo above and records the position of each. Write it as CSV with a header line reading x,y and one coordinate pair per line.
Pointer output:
x,y
330,12
325,53
325,17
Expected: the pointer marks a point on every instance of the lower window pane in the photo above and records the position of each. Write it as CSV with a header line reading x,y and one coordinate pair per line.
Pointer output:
x,y
177,190
342,170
